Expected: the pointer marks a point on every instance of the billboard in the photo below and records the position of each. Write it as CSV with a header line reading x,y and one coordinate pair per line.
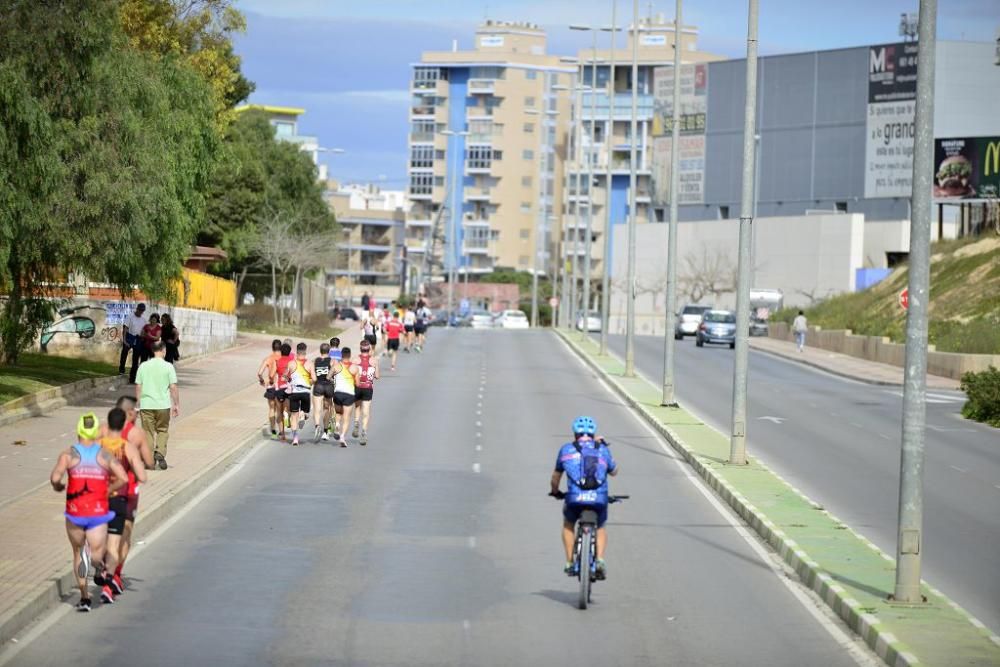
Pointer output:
x,y
967,167
694,105
892,92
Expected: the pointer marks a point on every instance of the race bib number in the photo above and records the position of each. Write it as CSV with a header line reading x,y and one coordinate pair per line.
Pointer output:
x,y
587,497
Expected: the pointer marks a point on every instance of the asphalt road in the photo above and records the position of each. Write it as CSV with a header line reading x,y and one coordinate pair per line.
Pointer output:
x,y
437,545
838,440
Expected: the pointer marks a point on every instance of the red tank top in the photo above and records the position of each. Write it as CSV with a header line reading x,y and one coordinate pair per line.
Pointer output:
x,y
116,447
366,372
281,366
87,488
132,481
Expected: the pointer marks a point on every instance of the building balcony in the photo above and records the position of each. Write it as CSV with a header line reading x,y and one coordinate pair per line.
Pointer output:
x,y
420,195
475,247
478,194
622,106
480,169
476,223
420,222
482,86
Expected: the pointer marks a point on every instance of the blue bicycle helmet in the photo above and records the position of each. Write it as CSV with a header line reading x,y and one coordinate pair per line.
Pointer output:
x,y
584,425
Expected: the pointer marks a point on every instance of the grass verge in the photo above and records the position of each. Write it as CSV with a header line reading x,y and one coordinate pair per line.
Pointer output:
x,y
36,372
260,319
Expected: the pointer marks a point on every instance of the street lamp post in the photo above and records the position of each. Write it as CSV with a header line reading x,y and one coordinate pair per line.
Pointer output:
x,y
576,209
452,196
591,140
541,226
668,397
608,220
634,131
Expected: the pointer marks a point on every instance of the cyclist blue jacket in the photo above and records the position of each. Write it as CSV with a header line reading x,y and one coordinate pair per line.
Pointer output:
x,y
570,461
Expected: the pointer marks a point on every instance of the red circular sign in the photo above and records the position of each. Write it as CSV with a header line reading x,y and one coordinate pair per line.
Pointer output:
x,y
904,298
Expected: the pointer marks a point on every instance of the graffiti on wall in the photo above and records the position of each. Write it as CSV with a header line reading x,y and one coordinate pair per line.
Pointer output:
x,y
71,324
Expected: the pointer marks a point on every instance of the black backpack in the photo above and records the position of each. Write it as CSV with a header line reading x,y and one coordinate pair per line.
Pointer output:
x,y
592,473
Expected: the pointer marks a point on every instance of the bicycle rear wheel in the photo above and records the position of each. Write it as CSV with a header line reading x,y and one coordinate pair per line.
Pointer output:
x,y
585,537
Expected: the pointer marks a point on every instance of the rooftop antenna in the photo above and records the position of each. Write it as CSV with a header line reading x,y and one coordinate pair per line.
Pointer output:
x,y
908,26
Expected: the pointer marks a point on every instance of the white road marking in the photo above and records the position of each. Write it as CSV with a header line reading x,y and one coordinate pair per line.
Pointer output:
x,y
958,469
476,468
884,436
472,543
479,448
775,420
856,425
479,424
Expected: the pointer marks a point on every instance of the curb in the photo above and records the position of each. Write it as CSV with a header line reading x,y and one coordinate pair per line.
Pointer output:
x,y
859,618
53,398
825,369
53,592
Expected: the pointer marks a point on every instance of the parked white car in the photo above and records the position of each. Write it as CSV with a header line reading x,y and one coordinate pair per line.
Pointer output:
x,y
688,320
513,319
593,321
481,319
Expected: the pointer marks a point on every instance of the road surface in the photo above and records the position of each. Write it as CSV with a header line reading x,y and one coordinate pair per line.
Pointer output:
x,y
838,441
436,545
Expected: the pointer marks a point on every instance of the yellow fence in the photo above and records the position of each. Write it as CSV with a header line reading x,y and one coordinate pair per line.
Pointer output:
x,y
205,292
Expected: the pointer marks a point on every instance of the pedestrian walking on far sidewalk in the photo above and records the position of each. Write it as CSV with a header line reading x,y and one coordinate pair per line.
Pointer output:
x,y
800,327
159,400
131,330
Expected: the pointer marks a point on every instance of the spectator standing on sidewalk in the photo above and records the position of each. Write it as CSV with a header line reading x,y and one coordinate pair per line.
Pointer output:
x,y
171,338
800,327
365,301
159,400
131,329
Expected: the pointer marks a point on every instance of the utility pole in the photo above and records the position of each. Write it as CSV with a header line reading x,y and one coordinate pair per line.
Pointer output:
x,y
909,541
675,186
634,131
608,221
578,129
738,440
591,140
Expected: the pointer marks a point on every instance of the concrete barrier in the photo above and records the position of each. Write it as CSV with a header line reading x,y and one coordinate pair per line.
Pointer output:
x,y
881,349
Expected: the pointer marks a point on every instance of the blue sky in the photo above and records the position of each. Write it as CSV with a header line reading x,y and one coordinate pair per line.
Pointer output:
x,y
347,62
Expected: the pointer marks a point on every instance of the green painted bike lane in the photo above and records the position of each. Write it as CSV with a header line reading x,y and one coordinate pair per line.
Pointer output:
x,y
846,570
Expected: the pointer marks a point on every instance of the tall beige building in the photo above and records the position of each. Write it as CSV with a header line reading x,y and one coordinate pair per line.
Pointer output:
x,y
499,154
487,151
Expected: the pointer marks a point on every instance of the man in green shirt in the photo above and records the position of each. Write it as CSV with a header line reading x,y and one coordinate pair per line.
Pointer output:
x,y
156,391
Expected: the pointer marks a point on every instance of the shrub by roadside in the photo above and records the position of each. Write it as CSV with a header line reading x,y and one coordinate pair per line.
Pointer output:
x,y
983,391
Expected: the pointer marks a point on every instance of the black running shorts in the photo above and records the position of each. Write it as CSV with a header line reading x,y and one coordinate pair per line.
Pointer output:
x,y
372,339
118,505
323,389
393,344
363,393
299,401
269,393
343,398
419,328
408,328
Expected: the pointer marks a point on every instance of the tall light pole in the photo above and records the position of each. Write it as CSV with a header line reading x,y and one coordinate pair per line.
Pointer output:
x,y
591,140
560,283
576,209
634,131
541,225
453,196
909,542
608,219
564,302
675,186
737,442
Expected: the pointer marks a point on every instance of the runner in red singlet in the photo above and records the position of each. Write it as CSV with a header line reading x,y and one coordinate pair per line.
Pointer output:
x,y
137,438
281,386
365,371
393,330
115,442
92,474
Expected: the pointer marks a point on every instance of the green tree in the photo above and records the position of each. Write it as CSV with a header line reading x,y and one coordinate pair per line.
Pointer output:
x,y
105,154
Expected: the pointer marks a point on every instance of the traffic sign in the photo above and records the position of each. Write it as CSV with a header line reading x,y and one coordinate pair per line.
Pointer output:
x,y
553,301
904,298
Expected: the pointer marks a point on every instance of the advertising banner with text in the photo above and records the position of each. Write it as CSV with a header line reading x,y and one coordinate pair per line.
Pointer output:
x,y
892,91
694,106
967,168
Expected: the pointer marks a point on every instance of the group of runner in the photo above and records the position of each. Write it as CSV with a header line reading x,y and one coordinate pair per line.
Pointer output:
x,y
400,327
103,472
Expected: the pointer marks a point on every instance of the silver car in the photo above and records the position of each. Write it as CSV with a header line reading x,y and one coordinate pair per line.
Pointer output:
x,y
688,320
717,326
481,319
593,321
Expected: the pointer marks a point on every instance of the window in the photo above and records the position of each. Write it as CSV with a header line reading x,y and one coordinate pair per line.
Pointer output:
x,y
479,157
523,260
525,234
528,154
526,207
421,184
529,128
526,181
723,212
422,130
529,101
487,72
421,157
530,74
439,155
841,206
283,128
426,77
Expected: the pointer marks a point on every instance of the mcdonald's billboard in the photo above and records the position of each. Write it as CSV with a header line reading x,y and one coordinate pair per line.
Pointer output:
x,y
967,168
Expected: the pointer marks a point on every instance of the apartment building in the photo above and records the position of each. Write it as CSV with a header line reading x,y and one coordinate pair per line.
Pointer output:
x,y
371,254
486,152
285,121
605,135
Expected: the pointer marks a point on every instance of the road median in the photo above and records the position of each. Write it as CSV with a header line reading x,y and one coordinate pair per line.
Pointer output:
x,y
846,570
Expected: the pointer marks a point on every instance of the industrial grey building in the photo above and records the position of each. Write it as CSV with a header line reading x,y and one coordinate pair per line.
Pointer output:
x,y
819,127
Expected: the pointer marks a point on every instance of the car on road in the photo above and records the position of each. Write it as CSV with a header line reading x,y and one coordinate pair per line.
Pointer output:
x,y
346,314
717,326
593,321
688,320
481,319
513,319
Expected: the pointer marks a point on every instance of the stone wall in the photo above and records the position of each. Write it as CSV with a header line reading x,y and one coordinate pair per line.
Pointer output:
x,y
881,349
88,328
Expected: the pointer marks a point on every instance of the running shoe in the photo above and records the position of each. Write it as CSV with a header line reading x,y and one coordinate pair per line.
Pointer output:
x,y
295,441
107,595
325,436
601,569
117,585
356,430
302,424
336,435
99,577
83,604
162,463
569,569
83,567
343,444
317,433
274,435
364,438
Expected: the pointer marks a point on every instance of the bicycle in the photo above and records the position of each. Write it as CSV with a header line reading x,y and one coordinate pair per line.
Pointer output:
x,y
585,551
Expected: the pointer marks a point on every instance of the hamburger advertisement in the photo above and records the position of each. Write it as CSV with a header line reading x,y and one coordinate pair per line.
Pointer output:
x,y
967,168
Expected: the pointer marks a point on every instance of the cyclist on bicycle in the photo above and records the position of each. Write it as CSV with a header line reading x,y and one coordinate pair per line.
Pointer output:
x,y
587,463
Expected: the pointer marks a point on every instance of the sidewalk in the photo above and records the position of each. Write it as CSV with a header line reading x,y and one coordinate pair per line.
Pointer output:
x,y
847,571
871,372
222,414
